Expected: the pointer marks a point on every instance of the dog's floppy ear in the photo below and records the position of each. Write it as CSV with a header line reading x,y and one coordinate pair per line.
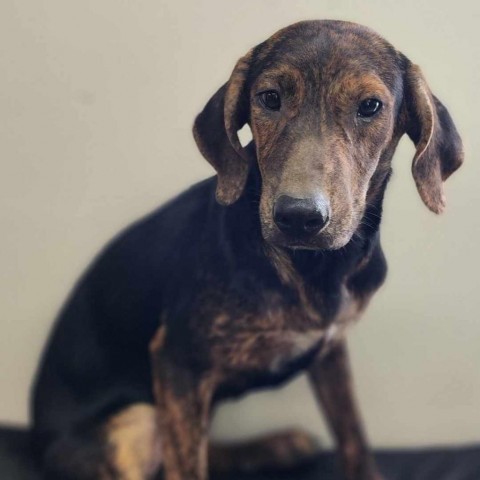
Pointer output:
x,y
439,147
215,131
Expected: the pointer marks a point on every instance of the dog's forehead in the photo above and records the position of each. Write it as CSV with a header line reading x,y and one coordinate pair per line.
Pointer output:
x,y
330,47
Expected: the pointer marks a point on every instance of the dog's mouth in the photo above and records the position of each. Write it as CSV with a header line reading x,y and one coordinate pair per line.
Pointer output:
x,y
331,238
323,241
296,244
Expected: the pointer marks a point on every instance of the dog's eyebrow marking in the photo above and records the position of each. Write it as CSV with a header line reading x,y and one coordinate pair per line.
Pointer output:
x,y
355,84
283,75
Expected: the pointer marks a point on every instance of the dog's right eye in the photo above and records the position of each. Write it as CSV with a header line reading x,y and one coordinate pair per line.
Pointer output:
x,y
271,100
369,107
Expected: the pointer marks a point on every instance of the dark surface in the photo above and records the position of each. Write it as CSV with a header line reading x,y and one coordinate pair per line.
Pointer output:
x,y
460,463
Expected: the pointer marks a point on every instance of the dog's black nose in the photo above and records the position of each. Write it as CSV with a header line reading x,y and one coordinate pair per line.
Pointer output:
x,y
301,217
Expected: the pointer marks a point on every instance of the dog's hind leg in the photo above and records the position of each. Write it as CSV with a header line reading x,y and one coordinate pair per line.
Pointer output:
x,y
133,441
126,447
76,456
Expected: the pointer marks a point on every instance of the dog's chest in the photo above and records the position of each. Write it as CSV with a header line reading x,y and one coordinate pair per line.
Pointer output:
x,y
279,336
301,343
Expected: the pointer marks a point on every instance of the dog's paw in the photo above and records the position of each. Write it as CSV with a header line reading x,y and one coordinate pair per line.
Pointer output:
x,y
282,450
290,448
374,475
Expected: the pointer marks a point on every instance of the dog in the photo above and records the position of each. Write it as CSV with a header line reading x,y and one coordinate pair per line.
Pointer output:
x,y
248,277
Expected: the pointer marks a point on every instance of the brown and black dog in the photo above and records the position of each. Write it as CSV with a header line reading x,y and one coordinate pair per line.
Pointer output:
x,y
248,277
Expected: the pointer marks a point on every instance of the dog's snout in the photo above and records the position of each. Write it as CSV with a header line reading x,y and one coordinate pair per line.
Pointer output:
x,y
301,217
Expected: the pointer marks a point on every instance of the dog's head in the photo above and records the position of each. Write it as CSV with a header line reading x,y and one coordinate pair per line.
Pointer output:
x,y
327,103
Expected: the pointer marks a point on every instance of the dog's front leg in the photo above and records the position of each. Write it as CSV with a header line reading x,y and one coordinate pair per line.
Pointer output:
x,y
183,404
331,379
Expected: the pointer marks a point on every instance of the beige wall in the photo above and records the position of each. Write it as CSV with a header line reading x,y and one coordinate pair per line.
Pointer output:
x,y
96,102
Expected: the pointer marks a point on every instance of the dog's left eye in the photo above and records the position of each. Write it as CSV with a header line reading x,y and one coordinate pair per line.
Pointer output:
x,y
369,107
271,99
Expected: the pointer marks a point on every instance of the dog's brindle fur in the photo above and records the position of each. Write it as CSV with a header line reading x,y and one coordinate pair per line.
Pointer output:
x,y
206,298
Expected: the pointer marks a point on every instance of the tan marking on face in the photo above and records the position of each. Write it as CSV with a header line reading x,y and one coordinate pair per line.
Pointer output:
x,y
134,439
356,86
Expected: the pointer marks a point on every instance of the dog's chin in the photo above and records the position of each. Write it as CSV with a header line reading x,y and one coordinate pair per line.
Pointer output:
x,y
317,243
